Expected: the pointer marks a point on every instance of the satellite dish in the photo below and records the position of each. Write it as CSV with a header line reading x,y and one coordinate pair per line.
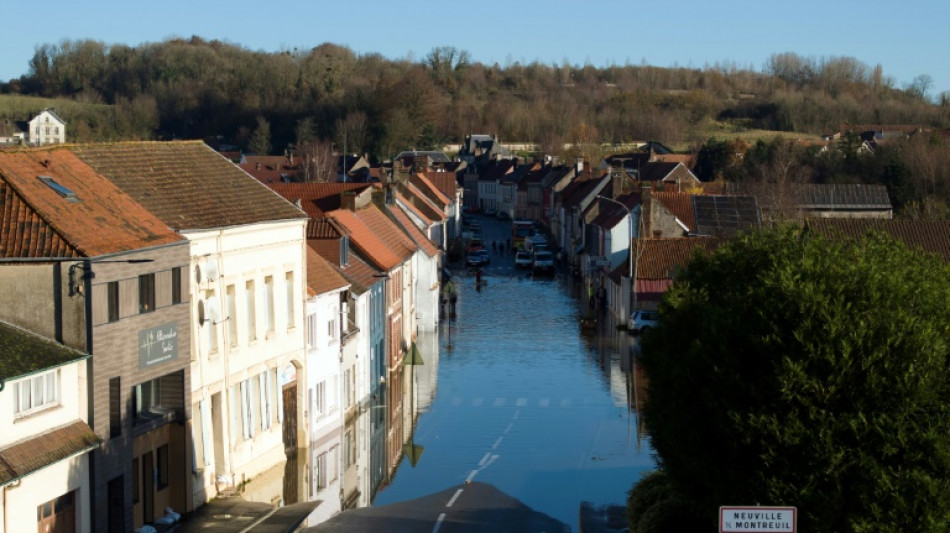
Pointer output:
x,y
208,311
206,271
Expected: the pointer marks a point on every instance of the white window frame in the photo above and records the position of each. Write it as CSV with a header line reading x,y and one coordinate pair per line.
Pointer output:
x,y
251,308
289,282
36,393
269,305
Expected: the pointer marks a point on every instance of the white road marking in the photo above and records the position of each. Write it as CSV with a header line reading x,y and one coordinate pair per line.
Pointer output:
x,y
510,425
477,402
499,402
471,476
497,442
438,523
544,402
455,497
485,459
521,402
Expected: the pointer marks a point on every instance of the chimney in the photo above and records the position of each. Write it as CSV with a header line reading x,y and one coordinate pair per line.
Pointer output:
x,y
580,165
257,166
348,200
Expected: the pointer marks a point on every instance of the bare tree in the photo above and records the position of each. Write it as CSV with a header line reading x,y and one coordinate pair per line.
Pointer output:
x,y
318,162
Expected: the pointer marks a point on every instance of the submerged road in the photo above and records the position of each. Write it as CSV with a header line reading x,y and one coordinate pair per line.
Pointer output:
x,y
523,401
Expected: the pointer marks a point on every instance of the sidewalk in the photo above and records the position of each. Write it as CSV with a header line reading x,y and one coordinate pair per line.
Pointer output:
x,y
237,515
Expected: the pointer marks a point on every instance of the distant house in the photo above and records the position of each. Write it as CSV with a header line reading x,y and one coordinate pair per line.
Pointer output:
x,y
45,128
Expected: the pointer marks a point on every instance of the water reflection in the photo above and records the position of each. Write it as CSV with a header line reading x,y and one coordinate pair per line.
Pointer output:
x,y
512,393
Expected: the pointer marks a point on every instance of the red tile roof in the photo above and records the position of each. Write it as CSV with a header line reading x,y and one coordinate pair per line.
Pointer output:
x,y
28,456
428,188
447,182
660,258
324,228
426,219
421,202
316,199
402,218
680,204
388,232
186,184
321,277
932,236
37,221
365,241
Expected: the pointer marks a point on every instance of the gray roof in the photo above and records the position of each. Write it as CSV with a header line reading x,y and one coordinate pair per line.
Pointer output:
x,y
724,216
845,196
434,156
23,352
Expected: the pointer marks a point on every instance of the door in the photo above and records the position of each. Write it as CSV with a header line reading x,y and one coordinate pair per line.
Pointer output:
x,y
217,416
57,516
116,492
148,486
289,393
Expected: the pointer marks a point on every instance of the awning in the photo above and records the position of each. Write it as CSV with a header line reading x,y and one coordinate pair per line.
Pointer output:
x,y
31,455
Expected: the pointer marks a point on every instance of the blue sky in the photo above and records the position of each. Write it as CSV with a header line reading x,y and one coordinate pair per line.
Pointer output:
x,y
907,38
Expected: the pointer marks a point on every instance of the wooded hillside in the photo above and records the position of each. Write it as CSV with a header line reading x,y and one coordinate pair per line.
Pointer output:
x,y
197,89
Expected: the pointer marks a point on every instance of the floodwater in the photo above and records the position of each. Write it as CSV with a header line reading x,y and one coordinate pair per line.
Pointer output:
x,y
517,396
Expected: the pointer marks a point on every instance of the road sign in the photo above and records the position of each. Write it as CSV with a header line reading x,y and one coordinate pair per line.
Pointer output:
x,y
757,519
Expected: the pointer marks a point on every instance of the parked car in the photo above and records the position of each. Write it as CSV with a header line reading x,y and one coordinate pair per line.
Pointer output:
x,y
543,262
475,244
478,258
523,259
642,320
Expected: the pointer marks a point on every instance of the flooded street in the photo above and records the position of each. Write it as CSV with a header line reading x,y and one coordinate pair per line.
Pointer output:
x,y
513,394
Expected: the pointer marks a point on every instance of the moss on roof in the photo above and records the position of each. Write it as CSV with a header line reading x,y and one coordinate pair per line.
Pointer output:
x,y
23,352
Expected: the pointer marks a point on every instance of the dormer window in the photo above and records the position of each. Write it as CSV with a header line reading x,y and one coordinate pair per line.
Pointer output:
x,y
60,189
344,251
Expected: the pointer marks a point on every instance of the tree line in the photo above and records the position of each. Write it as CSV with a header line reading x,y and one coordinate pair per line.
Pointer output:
x,y
195,88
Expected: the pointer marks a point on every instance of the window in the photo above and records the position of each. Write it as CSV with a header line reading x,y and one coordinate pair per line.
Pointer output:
x,y
267,392
321,471
289,283
269,304
349,448
36,393
162,460
115,407
146,293
251,311
113,301
230,323
135,480
159,397
147,398
176,285
320,399
331,325
344,251
311,330
234,410
349,387
212,326
333,466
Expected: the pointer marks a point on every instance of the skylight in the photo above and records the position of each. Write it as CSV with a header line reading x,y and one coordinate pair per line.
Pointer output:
x,y
59,188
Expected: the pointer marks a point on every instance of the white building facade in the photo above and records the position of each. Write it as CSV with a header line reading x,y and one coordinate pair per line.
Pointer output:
x,y
249,345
